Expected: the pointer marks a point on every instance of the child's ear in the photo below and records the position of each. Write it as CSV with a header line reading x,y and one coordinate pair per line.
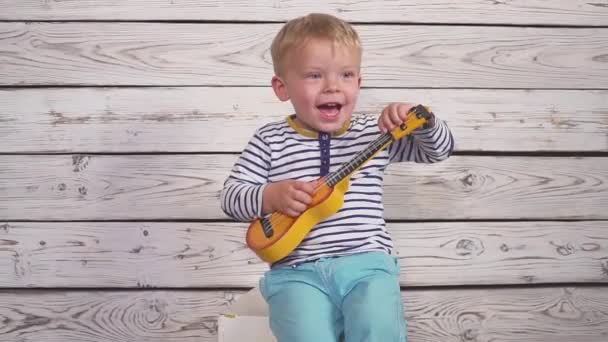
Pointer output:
x,y
359,82
279,88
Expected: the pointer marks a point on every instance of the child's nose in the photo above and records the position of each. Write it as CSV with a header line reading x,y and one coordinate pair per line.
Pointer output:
x,y
331,84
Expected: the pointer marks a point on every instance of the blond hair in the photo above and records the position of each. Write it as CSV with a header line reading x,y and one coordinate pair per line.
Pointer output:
x,y
299,31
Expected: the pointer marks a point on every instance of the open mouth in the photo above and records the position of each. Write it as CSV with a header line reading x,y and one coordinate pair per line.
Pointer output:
x,y
330,110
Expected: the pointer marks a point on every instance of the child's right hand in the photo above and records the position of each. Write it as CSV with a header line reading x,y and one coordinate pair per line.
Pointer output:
x,y
290,197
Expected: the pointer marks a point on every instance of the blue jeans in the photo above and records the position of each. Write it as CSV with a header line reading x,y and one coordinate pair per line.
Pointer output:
x,y
355,297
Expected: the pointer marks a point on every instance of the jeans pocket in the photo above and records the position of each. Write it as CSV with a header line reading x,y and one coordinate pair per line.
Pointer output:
x,y
268,283
395,265
262,286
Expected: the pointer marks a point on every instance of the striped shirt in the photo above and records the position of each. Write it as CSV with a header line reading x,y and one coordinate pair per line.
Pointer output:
x,y
282,150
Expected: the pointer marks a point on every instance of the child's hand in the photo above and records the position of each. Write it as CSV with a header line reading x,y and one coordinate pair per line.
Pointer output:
x,y
393,115
289,197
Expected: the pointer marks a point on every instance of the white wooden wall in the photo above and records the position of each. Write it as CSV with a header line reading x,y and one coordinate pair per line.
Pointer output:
x,y
119,120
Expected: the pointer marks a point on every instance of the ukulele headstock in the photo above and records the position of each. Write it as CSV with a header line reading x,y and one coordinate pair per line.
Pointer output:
x,y
416,117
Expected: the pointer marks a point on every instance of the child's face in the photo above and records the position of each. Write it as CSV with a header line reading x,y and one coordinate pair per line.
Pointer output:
x,y
322,80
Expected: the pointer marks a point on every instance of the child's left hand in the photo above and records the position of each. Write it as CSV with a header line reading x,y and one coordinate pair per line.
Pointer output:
x,y
393,115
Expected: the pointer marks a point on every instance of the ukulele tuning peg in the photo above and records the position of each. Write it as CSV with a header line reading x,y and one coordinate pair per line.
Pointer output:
x,y
421,112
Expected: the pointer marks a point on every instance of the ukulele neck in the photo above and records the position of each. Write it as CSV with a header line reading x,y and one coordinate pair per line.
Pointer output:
x,y
359,159
415,118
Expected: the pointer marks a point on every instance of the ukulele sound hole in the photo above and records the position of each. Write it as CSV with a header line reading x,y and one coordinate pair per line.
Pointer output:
x,y
267,227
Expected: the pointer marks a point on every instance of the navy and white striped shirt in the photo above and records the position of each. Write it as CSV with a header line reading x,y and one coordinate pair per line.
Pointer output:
x,y
283,150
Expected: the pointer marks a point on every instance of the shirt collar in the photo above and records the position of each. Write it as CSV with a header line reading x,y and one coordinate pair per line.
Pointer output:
x,y
314,134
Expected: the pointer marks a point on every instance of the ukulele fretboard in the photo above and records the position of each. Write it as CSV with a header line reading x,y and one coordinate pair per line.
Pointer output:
x,y
361,157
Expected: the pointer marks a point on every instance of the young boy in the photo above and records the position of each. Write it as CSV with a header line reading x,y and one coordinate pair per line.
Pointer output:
x,y
342,281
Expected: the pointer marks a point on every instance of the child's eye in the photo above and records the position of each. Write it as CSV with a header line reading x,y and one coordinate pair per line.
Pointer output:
x,y
313,75
348,74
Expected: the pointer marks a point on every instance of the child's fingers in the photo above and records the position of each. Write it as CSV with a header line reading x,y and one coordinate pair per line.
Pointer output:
x,y
315,183
302,197
292,213
398,112
381,125
385,121
307,187
403,110
297,203
295,208
395,115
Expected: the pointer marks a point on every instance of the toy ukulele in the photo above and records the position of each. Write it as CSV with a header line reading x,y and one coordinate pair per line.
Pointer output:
x,y
276,235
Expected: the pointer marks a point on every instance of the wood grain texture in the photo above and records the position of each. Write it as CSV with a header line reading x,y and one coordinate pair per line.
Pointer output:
x,y
556,12
186,255
117,316
166,187
502,86
207,119
506,315
238,54
514,315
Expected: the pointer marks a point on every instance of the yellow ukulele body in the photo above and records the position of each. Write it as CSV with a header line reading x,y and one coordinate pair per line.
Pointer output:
x,y
290,231
273,237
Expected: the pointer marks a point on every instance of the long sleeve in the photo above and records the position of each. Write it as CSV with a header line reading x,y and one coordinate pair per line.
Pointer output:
x,y
241,196
428,145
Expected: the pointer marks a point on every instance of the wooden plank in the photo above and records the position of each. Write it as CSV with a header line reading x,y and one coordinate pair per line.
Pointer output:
x,y
237,54
223,119
514,315
96,316
555,12
509,315
164,187
181,255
